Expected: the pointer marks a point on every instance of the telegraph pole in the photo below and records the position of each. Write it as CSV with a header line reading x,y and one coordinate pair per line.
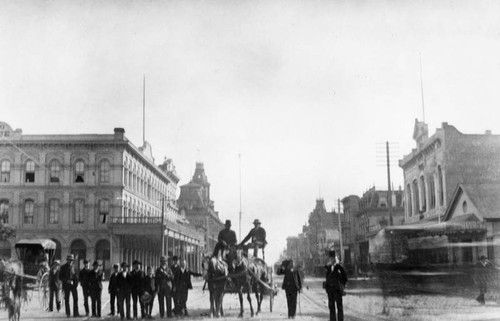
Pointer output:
x,y
340,233
239,156
163,226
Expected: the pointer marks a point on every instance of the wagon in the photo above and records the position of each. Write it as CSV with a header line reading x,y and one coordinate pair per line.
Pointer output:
x,y
36,256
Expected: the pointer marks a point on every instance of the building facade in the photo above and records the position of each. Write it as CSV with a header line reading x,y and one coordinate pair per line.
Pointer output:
x,y
444,170
195,202
97,196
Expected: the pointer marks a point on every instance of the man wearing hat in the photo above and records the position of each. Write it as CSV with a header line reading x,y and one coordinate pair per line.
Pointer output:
x,y
69,281
484,270
124,287
113,288
174,268
336,278
55,285
227,236
163,281
258,236
84,282
94,279
137,278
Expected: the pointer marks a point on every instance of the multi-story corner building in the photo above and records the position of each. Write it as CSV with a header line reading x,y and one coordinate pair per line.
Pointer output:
x,y
350,205
376,211
97,196
297,249
450,179
199,209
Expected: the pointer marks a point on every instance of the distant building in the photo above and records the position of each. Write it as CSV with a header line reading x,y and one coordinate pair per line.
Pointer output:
x,y
196,203
96,195
375,214
451,185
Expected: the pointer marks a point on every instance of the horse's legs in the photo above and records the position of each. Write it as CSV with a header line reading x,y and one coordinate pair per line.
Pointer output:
x,y
222,304
258,298
240,296
249,298
212,306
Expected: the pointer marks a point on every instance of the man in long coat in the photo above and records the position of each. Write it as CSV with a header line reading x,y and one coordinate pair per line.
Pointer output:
x,y
69,280
113,288
163,281
55,286
336,279
124,284
137,276
292,284
94,279
182,284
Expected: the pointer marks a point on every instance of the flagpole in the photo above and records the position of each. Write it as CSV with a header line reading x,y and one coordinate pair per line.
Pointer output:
x,y
239,156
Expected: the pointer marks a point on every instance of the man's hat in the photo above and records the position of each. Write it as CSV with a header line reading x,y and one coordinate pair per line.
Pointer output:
x,y
331,253
70,257
175,258
95,263
124,264
483,257
256,221
85,261
116,265
137,262
56,262
163,259
228,222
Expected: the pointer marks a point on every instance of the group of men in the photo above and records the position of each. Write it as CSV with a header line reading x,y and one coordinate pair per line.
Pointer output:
x,y
64,277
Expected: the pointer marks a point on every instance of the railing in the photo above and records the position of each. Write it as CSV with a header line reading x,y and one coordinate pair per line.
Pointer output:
x,y
136,220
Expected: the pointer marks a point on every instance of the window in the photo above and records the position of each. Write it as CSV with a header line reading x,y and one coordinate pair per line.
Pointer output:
x,y
54,211
5,174
4,211
408,200
29,209
432,192
55,171
416,206
104,172
424,194
78,212
103,211
30,172
79,172
464,207
441,186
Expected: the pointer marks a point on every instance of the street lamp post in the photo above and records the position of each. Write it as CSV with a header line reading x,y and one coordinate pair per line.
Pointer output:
x,y
340,235
162,238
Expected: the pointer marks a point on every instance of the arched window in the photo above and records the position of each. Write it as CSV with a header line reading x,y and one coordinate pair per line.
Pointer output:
x,y
441,186
4,211
408,200
79,172
54,210
55,171
29,211
5,171
78,211
103,254
104,172
79,249
432,192
416,197
30,172
57,253
424,194
103,210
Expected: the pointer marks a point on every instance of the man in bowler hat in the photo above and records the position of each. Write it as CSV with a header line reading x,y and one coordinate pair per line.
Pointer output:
x,y
124,289
227,236
69,280
113,288
137,277
94,279
292,284
84,282
163,280
336,280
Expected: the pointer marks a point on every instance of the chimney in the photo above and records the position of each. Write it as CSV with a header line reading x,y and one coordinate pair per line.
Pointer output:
x,y
119,133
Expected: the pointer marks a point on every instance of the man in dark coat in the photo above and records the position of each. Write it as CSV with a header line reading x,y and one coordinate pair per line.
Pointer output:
x,y
94,279
292,284
163,281
336,280
124,289
69,280
174,267
113,288
227,236
137,277
484,270
258,236
83,279
149,287
182,284
55,286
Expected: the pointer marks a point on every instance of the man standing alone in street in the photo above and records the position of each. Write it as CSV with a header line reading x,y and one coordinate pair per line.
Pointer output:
x,y
336,280
292,284
69,281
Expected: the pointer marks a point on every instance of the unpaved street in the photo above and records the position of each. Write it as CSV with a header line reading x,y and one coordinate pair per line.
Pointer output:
x,y
364,301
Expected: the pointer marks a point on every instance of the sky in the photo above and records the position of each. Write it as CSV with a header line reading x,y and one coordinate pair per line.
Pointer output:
x,y
307,92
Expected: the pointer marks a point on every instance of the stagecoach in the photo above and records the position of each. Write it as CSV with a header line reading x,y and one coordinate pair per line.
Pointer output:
x,y
35,256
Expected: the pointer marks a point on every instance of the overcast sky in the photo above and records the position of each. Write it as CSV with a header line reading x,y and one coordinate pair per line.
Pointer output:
x,y
305,90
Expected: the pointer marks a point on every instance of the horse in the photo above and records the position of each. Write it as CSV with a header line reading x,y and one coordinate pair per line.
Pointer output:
x,y
11,290
215,273
248,275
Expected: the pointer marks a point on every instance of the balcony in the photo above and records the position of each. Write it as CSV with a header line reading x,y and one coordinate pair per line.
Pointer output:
x,y
148,225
